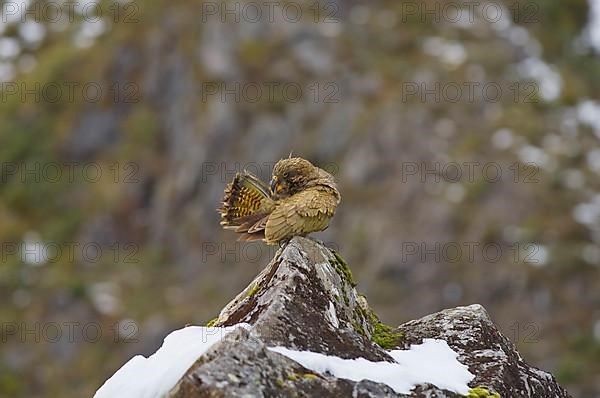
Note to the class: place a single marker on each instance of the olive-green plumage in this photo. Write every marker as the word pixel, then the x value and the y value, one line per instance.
pixel 302 199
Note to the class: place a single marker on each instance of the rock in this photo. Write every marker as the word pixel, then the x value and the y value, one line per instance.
pixel 491 357
pixel 306 300
pixel 95 130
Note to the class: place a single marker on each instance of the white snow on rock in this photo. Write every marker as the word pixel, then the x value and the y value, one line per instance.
pixel 154 376
pixel 431 362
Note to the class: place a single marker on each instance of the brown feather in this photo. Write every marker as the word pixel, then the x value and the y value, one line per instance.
pixel 246 201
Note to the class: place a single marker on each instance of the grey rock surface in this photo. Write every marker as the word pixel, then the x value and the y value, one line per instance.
pixel 305 299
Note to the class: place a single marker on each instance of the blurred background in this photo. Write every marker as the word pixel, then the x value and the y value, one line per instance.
pixel 465 138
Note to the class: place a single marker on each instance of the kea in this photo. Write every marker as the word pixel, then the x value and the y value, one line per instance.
pixel 301 199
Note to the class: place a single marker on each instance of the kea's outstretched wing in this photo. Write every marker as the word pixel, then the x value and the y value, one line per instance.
pixel 245 205
pixel 302 213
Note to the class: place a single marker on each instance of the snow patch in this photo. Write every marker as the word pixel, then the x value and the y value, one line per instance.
pixel 431 362
pixel 591 33
pixel 154 376
pixel 450 52
pixel 588 113
pixel 547 77
pixel 34 251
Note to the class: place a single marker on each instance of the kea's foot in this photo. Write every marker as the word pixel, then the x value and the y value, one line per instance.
pixel 284 242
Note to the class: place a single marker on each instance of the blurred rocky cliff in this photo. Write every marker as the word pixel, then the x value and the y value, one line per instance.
pixel 466 150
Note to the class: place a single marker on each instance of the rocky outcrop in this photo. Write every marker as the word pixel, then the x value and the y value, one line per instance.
pixel 306 300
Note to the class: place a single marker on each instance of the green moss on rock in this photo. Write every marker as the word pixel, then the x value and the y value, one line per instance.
pixel 381 334
pixel 310 376
pixel 342 268
pixel 482 392
pixel 384 336
pixel 253 290
pixel 212 322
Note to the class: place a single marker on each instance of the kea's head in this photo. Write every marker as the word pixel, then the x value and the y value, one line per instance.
pixel 293 175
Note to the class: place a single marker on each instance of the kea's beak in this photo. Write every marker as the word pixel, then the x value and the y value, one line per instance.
pixel 276 187
pixel 273 184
